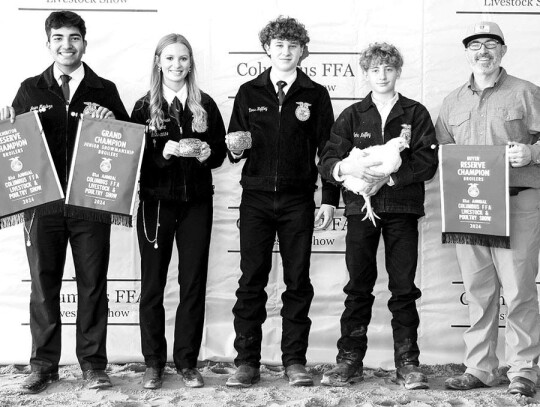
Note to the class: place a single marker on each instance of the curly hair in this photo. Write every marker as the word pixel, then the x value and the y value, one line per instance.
pixel 380 53
pixel 284 28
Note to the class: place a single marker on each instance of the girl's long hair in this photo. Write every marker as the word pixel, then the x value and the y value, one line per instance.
pixel 156 92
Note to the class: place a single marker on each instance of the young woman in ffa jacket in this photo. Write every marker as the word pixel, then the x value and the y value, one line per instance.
pixel 176 201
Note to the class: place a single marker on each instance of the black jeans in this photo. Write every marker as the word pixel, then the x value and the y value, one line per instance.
pixel 262 215
pixel 191 224
pixel 400 236
pixel 90 246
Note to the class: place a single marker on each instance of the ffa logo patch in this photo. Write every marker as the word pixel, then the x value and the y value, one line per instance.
pixel 90 108
pixel 16 164
pixel 473 190
pixel 406 132
pixel 302 111
pixel 105 165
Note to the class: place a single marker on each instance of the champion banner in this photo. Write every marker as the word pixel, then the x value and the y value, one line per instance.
pixel 474 195
pixel 27 172
pixel 104 172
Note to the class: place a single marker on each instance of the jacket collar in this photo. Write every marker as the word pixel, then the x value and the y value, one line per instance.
pixel 46 79
pixel 402 102
pixel 302 79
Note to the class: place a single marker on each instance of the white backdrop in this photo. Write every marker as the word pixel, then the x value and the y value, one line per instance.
pixel 122 35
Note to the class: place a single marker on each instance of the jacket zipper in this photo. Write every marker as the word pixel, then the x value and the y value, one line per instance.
pixel 183 169
pixel 277 146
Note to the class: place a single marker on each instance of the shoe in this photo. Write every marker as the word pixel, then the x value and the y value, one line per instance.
pixel 343 374
pixel 411 377
pixel 37 382
pixel 464 382
pixel 192 377
pixel 522 386
pixel 152 378
pixel 244 376
pixel 97 379
pixel 298 375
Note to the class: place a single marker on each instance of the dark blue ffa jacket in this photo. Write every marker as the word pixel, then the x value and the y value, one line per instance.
pixel 179 178
pixel 360 126
pixel 59 121
pixel 284 144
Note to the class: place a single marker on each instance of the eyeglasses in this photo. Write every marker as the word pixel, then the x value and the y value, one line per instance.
pixel 476 45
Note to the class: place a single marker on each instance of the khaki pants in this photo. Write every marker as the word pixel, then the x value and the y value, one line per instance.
pixel 485 271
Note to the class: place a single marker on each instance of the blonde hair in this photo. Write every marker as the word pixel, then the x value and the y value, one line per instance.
pixel 156 87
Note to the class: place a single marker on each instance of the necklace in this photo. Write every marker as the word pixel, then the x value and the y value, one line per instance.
pixel 144 226
pixel 28 242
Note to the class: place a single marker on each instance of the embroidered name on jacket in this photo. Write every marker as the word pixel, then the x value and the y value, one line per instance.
pixel 258 109
pixel 41 108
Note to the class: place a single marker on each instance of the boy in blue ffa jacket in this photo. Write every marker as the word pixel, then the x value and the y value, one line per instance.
pixel 67 89
pixel 397 198
pixel 289 117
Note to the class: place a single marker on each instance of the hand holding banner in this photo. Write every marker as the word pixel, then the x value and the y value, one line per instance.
pixel 105 169
pixel 475 195
pixel 28 176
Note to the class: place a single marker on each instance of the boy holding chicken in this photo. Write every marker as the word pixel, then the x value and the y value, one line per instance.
pixel 397 199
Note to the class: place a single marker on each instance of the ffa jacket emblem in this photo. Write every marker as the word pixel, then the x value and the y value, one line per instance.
pixel 105 165
pixel 406 132
pixel 90 108
pixel 302 111
pixel 16 164
pixel 473 190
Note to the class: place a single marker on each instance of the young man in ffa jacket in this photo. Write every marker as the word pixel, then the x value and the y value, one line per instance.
pixel 289 117
pixel 65 90
pixel 397 198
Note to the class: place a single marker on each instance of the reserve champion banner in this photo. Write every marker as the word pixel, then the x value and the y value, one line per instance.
pixel 122 36
pixel 27 173
pixel 105 169
pixel 474 195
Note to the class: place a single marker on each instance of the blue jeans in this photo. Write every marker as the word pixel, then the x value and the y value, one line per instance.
pixel 400 236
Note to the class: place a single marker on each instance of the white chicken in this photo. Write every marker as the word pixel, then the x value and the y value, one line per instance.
pixel 388 155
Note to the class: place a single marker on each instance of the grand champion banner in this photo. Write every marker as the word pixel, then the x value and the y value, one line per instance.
pixel 475 195
pixel 105 169
pixel 27 172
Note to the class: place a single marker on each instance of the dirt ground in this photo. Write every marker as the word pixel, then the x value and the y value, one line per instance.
pixel 378 389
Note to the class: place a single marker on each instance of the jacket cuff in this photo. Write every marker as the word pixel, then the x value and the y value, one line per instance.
pixel 330 195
